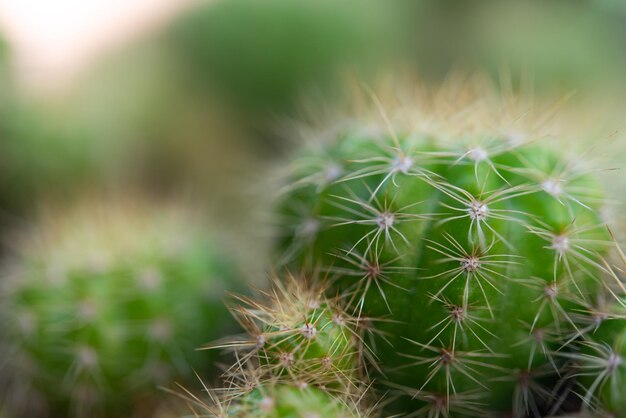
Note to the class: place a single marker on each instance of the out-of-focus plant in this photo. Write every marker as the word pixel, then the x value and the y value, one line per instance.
pixel 104 302
pixel 263 54
pixel 560 45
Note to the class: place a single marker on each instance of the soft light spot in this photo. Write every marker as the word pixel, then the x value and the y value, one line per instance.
pixel 553 187
pixel 149 278
pixel 477 154
pixel 333 172
pixel 87 357
pixel 402 164
pixel 309 228
pixel 560 243
pixel 266 404
pixel 160 330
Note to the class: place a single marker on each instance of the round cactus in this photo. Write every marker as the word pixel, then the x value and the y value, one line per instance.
pixel 103 303
pixel 300 357
pixel 301 335
pixel 478 243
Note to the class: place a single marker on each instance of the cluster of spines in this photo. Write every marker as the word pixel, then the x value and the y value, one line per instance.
pixel 302 354
pixel 357 186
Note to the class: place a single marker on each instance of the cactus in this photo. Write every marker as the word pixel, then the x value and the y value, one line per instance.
pixel 105 302
pixel 598 365
pixel 479 244
pixel 280 400
pixel 301 334
pixel 301 356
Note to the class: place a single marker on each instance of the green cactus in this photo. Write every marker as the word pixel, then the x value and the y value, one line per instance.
pixel 598 365
pixel 288 401
pixel 300 357
pixel 105 302
pixel 601 368
pixel 277 399
pixel 478 245
pixel 299 334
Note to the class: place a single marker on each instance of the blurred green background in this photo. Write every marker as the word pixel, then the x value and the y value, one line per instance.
pixel 196 110
pixel 198 105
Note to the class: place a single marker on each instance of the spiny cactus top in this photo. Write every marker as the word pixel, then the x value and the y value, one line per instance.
pixel 299 357
pixel 105 302
pixel 478 243
pixel 302 334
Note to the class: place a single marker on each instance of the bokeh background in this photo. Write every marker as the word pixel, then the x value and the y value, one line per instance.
pixel 185 94
pixel 193 101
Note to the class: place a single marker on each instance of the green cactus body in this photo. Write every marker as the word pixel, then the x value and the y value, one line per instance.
pixel 106 303
pixel 600 364
pixel 288 401
pixel 476 250
pixel 300 358
pixel 302 336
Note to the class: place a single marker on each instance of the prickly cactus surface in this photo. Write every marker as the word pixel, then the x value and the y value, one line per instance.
pixel 476 250
pixel 299 357
pixel 289 401
pixel 104 303
pixel 299 333
pixel 601 367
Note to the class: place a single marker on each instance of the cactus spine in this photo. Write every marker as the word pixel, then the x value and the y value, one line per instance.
pixel 479 245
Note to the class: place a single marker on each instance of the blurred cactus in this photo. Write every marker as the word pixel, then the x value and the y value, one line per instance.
pixel 105 302
pixel 478 242
pixel 286 401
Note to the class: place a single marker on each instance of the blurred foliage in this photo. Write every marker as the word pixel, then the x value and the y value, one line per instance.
pixel 562 45
pixel 196 106
pixel 105 300
pixel 39 154
pixel 263 53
